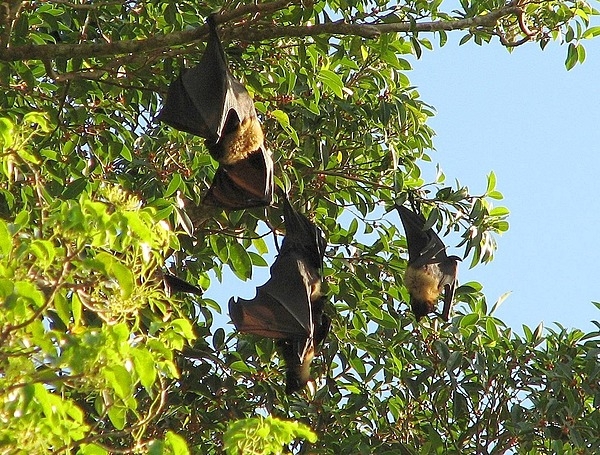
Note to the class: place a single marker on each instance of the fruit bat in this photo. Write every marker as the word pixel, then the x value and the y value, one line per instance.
pixel 289 307
pixel 174 284
pixel 429 269
pixel 209 102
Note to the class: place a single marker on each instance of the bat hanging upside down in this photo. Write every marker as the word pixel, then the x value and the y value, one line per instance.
pixel 289 307
pixel 209 102
pixel 430 271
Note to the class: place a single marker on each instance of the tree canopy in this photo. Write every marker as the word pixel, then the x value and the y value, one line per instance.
pixel 98 200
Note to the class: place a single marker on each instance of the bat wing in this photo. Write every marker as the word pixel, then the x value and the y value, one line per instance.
pixel 174 284
pixel 247 183
pixel 302 235
pixel 322 322
pixel 292 284
pixel 215 92
pixel 264 316
pixel 200 100
pixel 424 246
pixel 449 269
pixel 448 300
pixel 180 112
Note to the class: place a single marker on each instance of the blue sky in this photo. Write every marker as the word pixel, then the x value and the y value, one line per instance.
pixel 537 126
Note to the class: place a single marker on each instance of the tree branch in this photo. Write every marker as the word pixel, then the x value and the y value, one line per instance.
pixel 91 50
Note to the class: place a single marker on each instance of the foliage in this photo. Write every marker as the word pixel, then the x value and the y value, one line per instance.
pixel 263 436
pixel 97 199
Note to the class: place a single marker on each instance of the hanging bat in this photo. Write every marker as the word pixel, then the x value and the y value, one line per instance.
pixel 430 271
pixel 174 284
pixel 209 102
pixel 289 307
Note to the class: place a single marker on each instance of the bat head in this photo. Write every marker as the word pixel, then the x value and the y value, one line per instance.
pixel 298 355
pixel 421 308
pixel 322 326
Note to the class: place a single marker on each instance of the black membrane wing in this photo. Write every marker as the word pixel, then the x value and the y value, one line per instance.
pixel 424 246
pixel 199 101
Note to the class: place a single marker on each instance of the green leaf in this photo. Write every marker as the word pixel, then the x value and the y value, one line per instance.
pixel 145 367
pixel 62 308
pixel 119 379
pixel 121 273
pixel 491 182
pixel 22 219
pixel 5 239
pixel 75 188
pixel 156 447
pixel 184 328
pixel 591 32
pixel 38 118
pixel 572 56
pixel 260 245
pixel 257 259
pixel 240 261
pixel 117 416
pixel 443 37
pixel 6 132
pixel 240 366
pixel 43 251
pixel 332 81
pixel 469 320
pixel 126 153
pixel 465 39
pixel 92 449
pixel 538 333
pixel 30 292
pixel 218 339
pixel 176 444
pixel 491 329
pixel 284 121
pixel 175 183
pixel 125 278
pixel 28 156
pixel 580 53
pixel 416 47
pixel 219 247
pixel 499 211
pixel 453 361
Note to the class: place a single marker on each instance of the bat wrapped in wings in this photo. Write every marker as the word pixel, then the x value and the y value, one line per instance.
pixel 209 102
pixel 289 307
pixel 430 270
